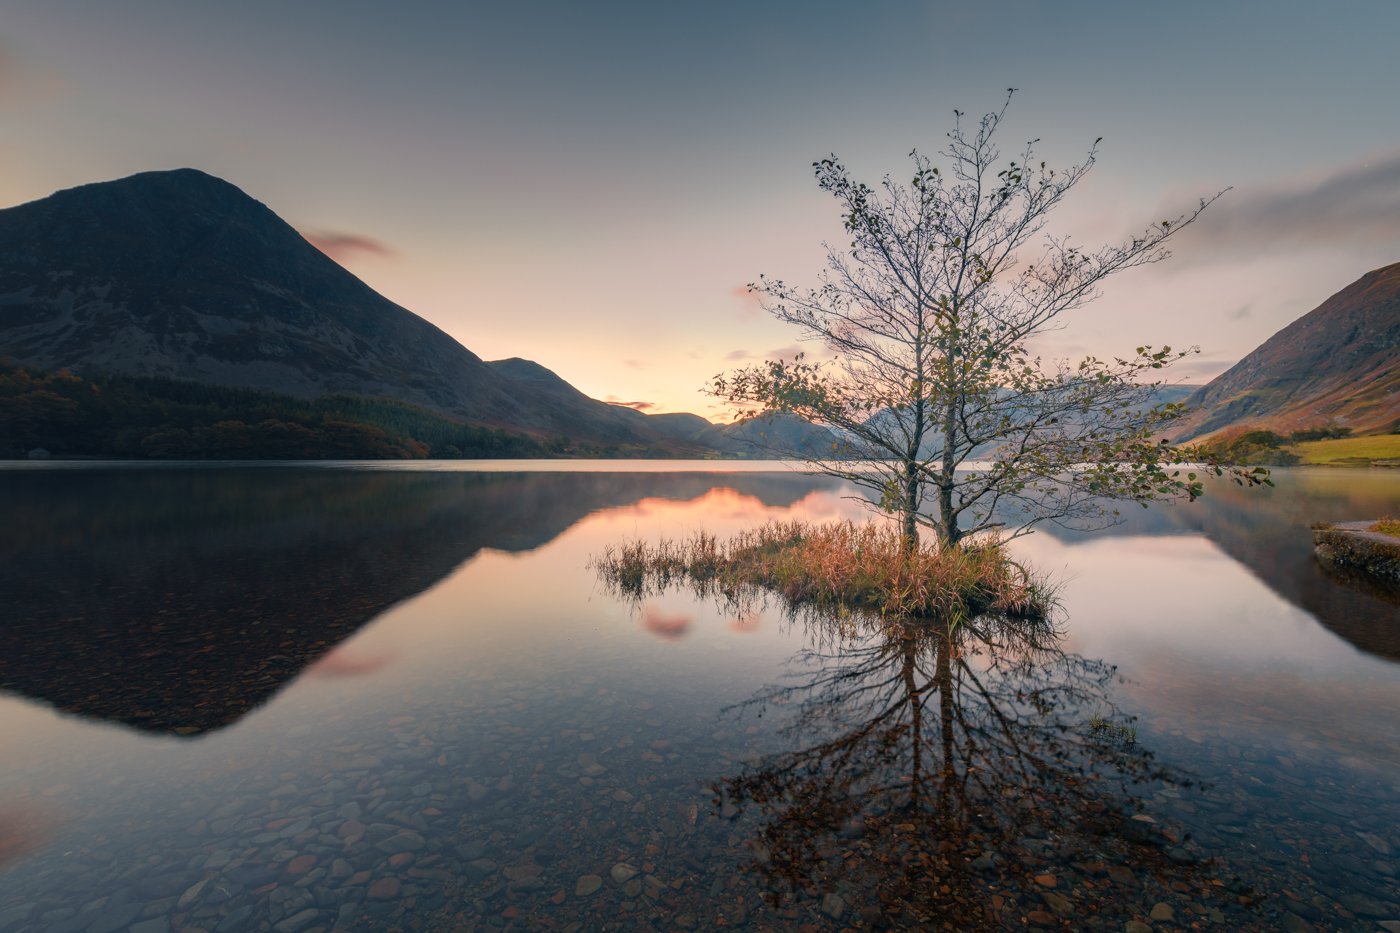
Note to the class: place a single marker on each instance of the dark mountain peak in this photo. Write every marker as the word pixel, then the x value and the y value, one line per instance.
pixel 177 196
pixel 161 182
pixel 181 274
pixel 682 419
pixel 527 371
pixel 162 226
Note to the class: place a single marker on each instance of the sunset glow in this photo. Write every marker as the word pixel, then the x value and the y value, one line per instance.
pixel 593 192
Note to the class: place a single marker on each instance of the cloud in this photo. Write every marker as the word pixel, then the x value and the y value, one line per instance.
pixel 750 305
pixel 811 351
pixel 1195 369
pixel 342 246
pixel 640 406
pixel 1354 206
pixel 634 364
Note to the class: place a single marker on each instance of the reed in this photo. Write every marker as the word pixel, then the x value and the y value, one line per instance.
pixel 841 566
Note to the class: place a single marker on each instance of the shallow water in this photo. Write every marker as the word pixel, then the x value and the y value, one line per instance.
pixel 361 698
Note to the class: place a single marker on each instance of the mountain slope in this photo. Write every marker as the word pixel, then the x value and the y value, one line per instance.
pixel 573 413
pixel 1338 364
pixel 181 274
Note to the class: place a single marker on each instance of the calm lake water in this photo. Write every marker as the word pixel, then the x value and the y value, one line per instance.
pixel 370 697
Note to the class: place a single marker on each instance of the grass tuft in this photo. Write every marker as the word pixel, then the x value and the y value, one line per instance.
pixel 1388 526
pixel 840 566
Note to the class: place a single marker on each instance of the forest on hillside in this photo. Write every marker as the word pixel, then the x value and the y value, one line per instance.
pixel 150 417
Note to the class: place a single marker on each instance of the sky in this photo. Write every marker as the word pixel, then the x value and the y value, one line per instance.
pixel 592 185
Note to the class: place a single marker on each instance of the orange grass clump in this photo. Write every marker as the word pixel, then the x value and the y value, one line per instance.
pixel 838 566
pixel 1388 526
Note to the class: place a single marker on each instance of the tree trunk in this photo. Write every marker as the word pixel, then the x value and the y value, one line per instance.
pixel 948 533
pixel 909 513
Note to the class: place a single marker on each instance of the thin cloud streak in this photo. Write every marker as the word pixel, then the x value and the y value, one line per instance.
pixel 342 246
pixel 639 406
pixel 1356 206
pixel 1195 371
pixel 812 351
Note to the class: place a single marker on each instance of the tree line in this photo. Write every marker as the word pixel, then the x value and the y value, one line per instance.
pixel 156 417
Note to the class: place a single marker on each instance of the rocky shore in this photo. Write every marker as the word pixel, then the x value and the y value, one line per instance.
pixel 1358 547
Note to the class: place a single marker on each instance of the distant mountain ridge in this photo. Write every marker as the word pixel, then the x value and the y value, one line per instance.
pixel 1337 365
pixel 182 275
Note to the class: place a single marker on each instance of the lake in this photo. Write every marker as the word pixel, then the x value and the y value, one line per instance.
pixel 396 697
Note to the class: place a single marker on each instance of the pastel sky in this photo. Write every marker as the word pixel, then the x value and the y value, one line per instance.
pixel 590 185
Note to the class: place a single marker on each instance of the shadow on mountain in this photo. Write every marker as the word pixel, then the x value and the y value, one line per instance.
pixel 1268 531
pixel 177 601
pixel 960 780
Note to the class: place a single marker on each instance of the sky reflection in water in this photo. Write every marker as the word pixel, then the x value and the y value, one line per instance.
pixel 399 698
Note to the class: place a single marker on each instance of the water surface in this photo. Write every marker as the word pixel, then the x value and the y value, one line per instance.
pixel 357 697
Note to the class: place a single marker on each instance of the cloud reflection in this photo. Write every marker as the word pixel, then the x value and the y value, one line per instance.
pixel 347 663
pixel 745 624
pixel 23 829
pixel 666 626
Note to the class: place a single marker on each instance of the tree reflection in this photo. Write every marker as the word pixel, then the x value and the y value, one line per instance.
pixel 934 771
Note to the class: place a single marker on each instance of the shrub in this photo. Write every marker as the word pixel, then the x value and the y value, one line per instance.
pixel 1319 434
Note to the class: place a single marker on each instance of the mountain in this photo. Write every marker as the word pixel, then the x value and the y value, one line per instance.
pixel 179 274
pixel 772 434
pixel 1339 364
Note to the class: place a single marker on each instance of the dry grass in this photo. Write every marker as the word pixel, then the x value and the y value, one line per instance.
pixel 1388 526
pixel 841 566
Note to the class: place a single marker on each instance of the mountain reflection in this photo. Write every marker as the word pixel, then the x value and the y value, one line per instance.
pixel 176 601
pixel 1268 531
pixel 934 778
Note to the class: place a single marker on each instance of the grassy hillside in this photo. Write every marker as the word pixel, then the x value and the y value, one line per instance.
pixel 1377 449
pixel 1327 446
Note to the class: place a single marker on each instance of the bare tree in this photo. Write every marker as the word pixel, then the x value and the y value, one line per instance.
pixel 948 417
